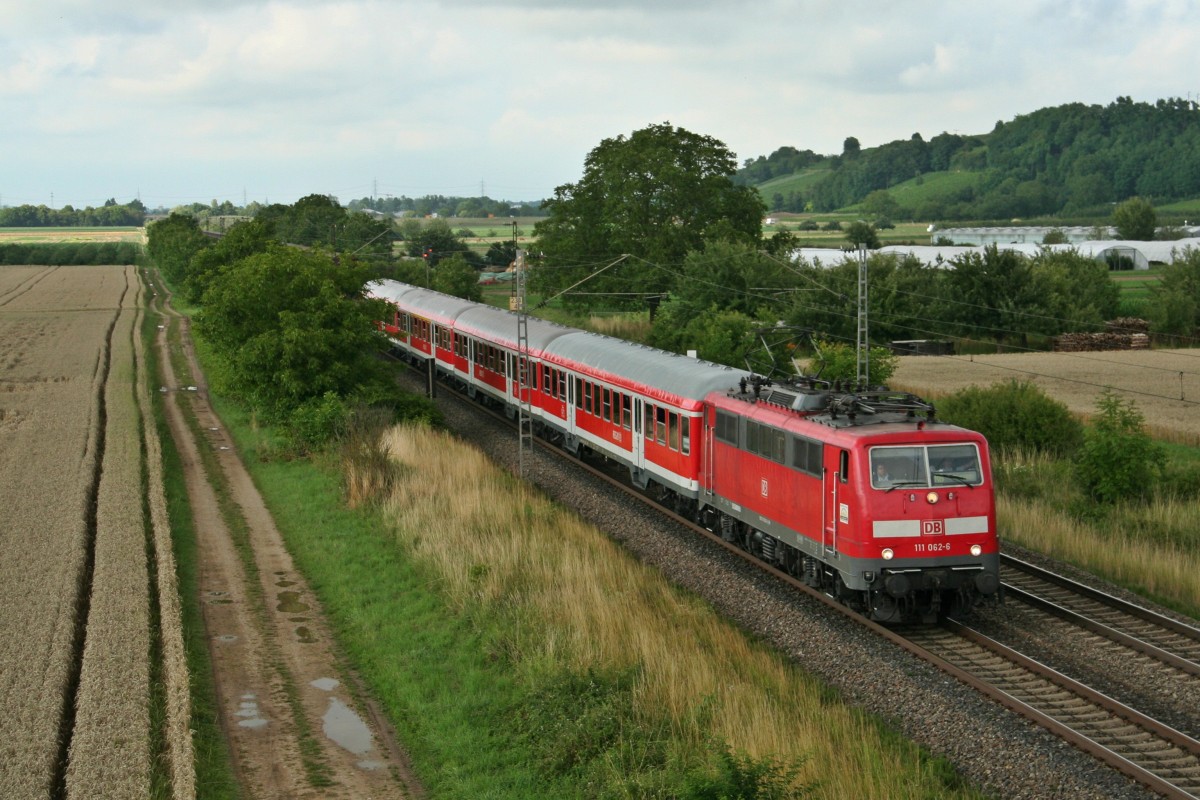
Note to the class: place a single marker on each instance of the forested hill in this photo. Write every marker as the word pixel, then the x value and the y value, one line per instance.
pixel 1074 159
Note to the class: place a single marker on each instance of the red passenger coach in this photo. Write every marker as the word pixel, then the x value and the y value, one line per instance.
pixel 864 495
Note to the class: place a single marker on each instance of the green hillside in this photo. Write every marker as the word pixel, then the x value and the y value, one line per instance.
pixel 801 182
pixel 935 187
pixel 1075 160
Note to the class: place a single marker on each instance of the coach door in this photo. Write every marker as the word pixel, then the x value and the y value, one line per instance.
pixel 837 465
pixel 639 451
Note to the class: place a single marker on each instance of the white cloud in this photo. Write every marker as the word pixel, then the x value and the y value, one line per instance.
pixel 271 93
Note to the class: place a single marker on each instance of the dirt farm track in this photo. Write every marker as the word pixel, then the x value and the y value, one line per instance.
pixel 1164 384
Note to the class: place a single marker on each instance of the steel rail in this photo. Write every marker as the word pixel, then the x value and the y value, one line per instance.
pixel 1173 625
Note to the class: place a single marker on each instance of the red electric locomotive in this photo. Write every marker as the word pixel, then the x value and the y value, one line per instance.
pixel 863 495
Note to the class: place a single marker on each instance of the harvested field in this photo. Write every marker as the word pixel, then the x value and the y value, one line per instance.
pixel 74 574
pixel 57 235
pixel 1165 384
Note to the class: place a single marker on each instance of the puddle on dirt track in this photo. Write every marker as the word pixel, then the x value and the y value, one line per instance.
pixel 289 603
pixel 248 711
pixel 345 728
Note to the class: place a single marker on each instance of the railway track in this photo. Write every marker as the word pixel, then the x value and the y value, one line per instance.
pixel 1162 638
pixel 1157 756
pixel 1152 753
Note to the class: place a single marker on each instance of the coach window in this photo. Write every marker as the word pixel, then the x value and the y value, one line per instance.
pixel 673 431
pixel 626 411
pixel 660 425
pixel 421 329
pixel 685 431
pixel 579 392
pixel 607 404
pixel 587 396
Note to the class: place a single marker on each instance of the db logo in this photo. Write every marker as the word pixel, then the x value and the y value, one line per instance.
pixel 764 487
pixel 933 527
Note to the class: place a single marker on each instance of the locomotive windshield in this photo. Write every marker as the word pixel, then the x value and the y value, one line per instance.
pixel 923 466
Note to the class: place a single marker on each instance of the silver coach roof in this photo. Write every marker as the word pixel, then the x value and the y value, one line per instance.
pixel 500 326
pixel 664 374
pixel 669 373
pixel 472 318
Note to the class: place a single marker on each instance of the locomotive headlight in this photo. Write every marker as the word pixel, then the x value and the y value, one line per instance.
pixel 932 497
pixel 976 550
pixel 887 554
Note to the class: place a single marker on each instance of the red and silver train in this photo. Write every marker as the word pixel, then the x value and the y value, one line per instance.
pixel 863 495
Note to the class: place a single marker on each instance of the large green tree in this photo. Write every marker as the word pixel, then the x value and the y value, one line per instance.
pixel 1175 307
pixel 291 325
pixel 434 241
pixel 242 240
pixel 455 276
pixel 1135 219
pixel 654 195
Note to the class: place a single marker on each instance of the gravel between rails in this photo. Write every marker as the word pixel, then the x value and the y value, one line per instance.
pixel 993 748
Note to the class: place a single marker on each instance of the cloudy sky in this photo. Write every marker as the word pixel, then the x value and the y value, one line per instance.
pixel 192 101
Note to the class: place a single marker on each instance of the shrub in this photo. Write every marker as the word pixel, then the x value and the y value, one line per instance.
pixel 837 361
pixel 738 775
pixel 1015 414
pixel 317 421
pixel 1118 460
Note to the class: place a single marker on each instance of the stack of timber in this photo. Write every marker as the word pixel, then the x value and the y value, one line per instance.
pixel 1124 333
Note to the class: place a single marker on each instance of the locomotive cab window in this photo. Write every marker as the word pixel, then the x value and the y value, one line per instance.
pixel 925 466
pixel 954 464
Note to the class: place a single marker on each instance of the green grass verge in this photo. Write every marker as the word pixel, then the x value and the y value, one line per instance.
pixel 452 702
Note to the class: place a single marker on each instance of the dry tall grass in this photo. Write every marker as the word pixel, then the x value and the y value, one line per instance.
pixel 1152 548
pixel 577 600
pixel 1162 569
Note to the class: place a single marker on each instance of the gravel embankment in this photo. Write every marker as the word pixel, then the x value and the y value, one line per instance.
pixel 995 749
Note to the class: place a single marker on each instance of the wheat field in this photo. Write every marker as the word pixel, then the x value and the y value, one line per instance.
pixel 75 572
pixel 1165 384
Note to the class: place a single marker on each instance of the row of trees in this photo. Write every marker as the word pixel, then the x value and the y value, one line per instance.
pixel 444 206
pixel 292 331
pixel 110 214
pixel 71 253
